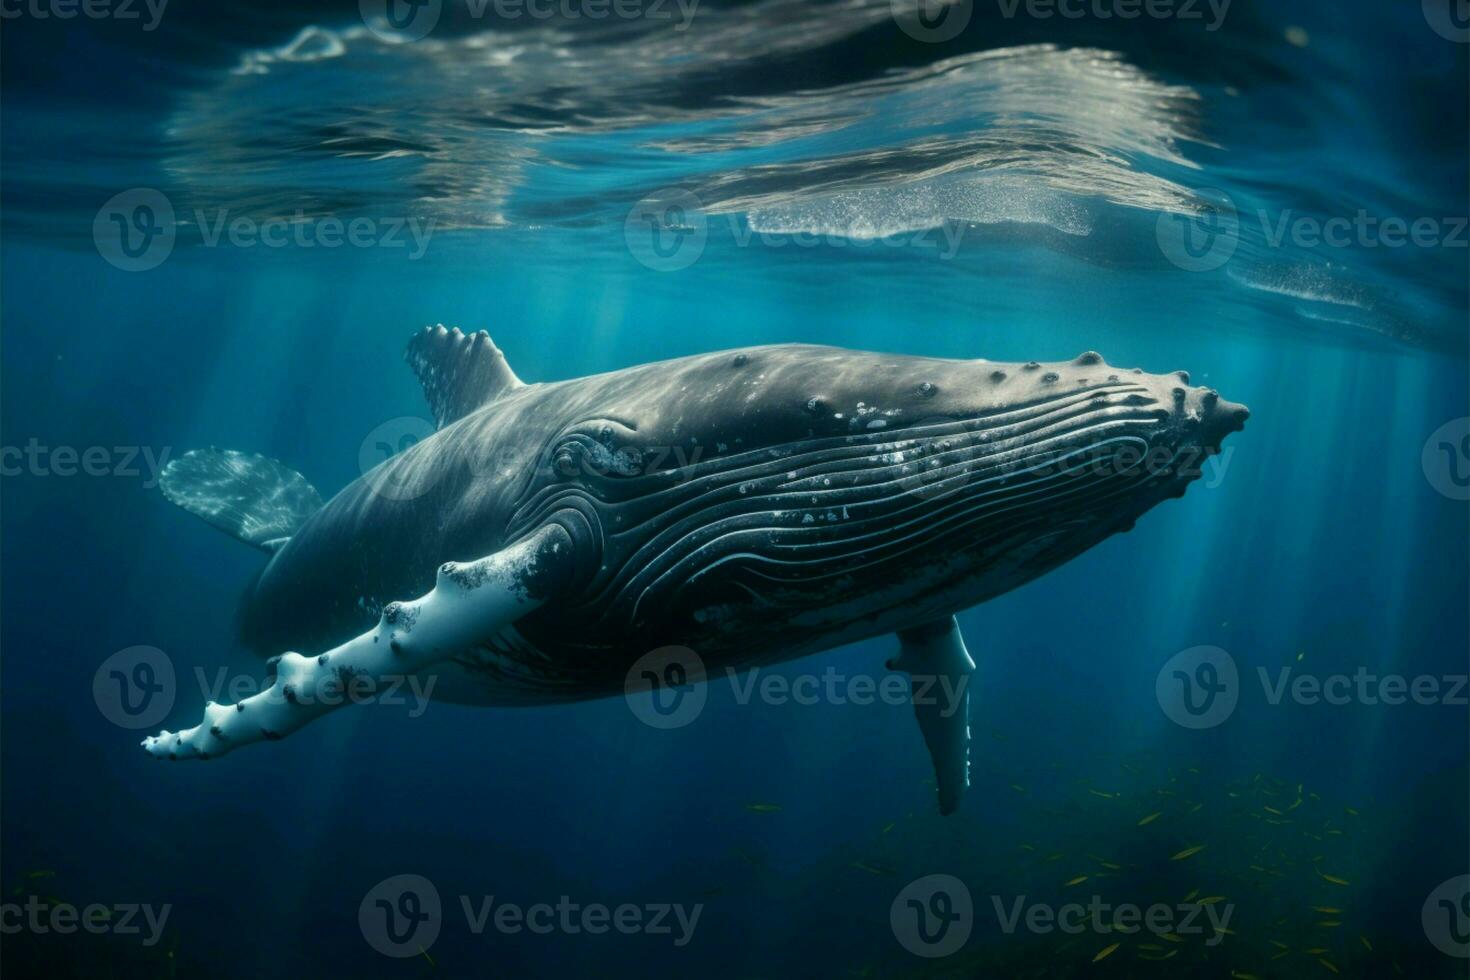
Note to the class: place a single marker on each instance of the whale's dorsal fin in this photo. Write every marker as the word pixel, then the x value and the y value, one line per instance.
pixel 460 372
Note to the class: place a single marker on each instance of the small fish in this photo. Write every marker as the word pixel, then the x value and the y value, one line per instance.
pixel 1300 656
pixel 1018 788
pixel 1241 975
pixel 1315 951
pixel 1075 881
pixel 1167 956
pixel 1328 964
pixel 1106 951
pixel 762 807
pixel 887 827
pixel 1213 899
pixel 1366 945
pixel 1111 866
pixel 1191 895
pixel 1196 808
pixel 1150 818
pixel 422 952
pixel 1326 910
pixel 1106 796
pixel 1272 809
pixel 874 869
pixel 1350 811
pixel 1334 879
pixel 1278 945
pixel 34 875
pixel 1028 847
pixel 1331 924
pixel 1191 852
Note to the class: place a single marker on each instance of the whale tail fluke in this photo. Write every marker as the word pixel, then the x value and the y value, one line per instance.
pixel 254 498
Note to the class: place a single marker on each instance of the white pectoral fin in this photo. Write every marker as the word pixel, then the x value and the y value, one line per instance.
pixel 468 603
pixel 939 669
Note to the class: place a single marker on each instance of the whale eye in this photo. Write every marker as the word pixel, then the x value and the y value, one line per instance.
pixel 741 360
pixel 927 390
pixel 816 406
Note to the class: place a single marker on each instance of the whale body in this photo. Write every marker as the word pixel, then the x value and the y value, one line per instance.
pixel 751 506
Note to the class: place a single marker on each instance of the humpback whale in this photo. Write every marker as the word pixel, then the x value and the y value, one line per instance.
pixel 752 506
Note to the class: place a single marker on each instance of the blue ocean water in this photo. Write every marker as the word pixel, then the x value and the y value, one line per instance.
pixel 1271 198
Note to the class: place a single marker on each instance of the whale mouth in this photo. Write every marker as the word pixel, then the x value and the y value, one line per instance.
pixel 1223 418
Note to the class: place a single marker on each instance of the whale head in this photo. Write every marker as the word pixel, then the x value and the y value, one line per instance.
pixel 775 495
